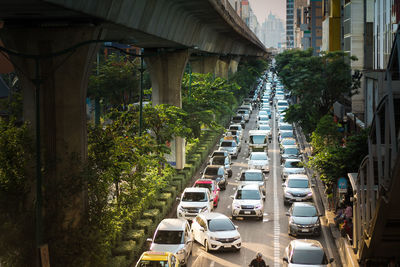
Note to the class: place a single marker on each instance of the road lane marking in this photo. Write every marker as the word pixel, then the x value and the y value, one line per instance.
pixel 277 228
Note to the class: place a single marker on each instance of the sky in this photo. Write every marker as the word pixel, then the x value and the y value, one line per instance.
pixel 262 8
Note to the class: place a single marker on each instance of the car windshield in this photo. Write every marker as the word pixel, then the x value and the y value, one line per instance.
pixel 237 118
pixel 194 197
pixel 248 194
pixel 169 237
pixel 215 225
pixel 308 257
pixel 218 161
pixel 304 211
pixel 146 263
pixel 286 127
pixel 263 118
pixel 204 185
pixel 286 134
pixel 227 144
pixel 211 171
pixel 264 127
pixel 291 150
pixel 252 176
pixel 236 128
pixel 241 112
pixel 257 139
pixel 261 156
pixel 298 183
pixel 293 164
pixel 264 113
pixel 288 141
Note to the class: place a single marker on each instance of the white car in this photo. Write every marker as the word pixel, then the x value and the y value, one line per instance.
pixel 259 160
pixel 231 147
pixel 252 176
pixel 215 231
pixel 175 236
pixel 297 188
pixel 292 166
pixel 193 201
pixel 248 201
pixel 305 252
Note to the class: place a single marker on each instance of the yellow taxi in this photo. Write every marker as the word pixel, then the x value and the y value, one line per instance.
pixel 157 259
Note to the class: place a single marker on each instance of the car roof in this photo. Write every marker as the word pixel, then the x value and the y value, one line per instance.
pixel 172 224
pixel 196 189
pixel 292 160
pixel 219 157
pixel 303 204
pixel 155 256
pixel 253 170
pixel 297 176
pixel 234 124
pixel 290 146
pixel 258 132
pixel 258 153
pixel 204 181
pixel 249 187
pixel 213 215
pixel 306 244
pixel 214 166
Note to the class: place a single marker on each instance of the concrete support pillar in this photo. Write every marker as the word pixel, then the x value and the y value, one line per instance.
pixel 222 68
pixel 62 103
pixel 233 65
pixel 206 64
pixel 166 72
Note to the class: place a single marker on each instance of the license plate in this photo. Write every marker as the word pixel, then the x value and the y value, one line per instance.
pixel 247 212
pixel 299 199
pixel 305 230
pixel 227 246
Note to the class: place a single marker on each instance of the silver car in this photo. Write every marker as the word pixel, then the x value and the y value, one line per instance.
pixel 292 166
pixel 175 236
pixel 304 219
pixel 253 176
pixel 259 160
pixel 297 188
pixel 303 252
pixel 248 202
pixel 231 147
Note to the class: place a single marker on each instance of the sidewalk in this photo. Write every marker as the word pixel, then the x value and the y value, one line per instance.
pixel 344 248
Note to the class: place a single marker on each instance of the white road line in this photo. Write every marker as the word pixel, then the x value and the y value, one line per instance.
pixel 277 228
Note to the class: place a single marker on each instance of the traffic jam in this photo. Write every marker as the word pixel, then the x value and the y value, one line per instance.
pixel 200 221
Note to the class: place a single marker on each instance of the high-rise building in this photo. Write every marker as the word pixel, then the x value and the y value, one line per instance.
pixel 289 24
pixel 301 31
pixel 315 24
pixel 272 31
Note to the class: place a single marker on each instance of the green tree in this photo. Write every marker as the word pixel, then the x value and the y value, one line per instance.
pixel 316 82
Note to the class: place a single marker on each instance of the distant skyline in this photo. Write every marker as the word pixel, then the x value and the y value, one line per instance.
pixel 262 8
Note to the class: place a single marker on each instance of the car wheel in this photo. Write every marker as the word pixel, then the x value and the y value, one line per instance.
pixel 237 249
pixel 206 246
pixel 234 217
pixel 216 204
pixel 230 173
pixel 260 218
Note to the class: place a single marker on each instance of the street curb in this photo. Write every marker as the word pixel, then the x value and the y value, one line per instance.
pixel 344 249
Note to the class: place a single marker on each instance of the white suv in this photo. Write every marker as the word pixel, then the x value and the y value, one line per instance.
pixel 248 202
pixel 193 201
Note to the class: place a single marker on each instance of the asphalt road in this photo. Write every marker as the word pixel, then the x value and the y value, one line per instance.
pixel 269 236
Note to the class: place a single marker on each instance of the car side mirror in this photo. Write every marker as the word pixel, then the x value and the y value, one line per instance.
pixel 201 229
pixel 313 185
pixel 283 185
pixel 287 213
pixel 208 163
pixel 232 196
pixel 201 173
pixel 150 240
pixel 331 260
pixel 178 199
pixel 285 259
pixel 211 199
pixel 237 227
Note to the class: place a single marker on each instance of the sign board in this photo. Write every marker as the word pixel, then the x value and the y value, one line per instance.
pixel 171 157
pixel 44 255
pixel 342 185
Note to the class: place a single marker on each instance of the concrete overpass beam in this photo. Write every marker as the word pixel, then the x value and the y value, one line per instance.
pixel 62 103
pixel 166 72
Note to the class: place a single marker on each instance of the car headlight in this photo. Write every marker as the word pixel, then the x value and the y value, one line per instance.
pixel 182 251
pixel 309 194
pixel 213 238
pixel 181 209
pixel 204 209
pixel 236 237
pixel 236 206
pixel 258 206
pixel 288 194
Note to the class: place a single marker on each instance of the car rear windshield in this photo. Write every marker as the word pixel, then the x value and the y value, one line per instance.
pixel 293 164
pixel 298 183
pixel 211 171
pixel 309 257
pixel 286 127
pixel 236 128
pixel 264 127
pixel 257 139
pixel 237 118
pixel 155 263
pixel 248 194
pixel 286 134
pixel 288 141
pixel 263 118
pixel 194 197
pixel 215 225
pixel 169 237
